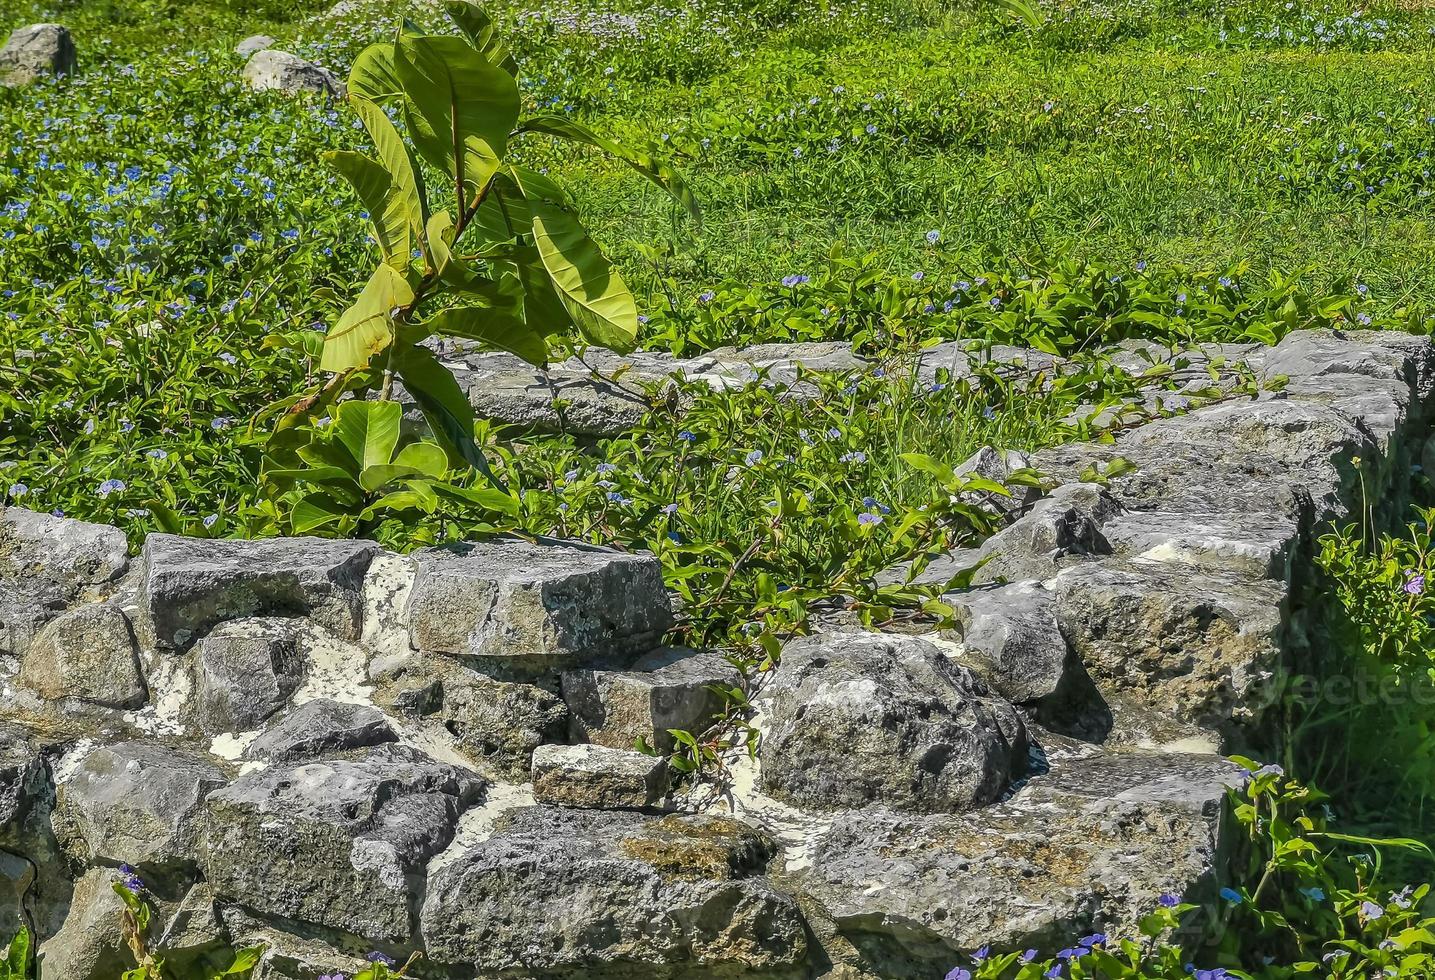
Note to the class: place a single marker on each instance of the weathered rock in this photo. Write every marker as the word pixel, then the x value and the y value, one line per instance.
pixel 89 946
pixel 1258 544
pixel 338 843
pixel 1011 631
pixel 75 556
pixel 667 689
pixel 322 726
pixel 857 718
pixel 245 671
pixel 1198 647
pixel 501 722
pixel 88 654
pixel 17 877
pixel 194 933
pixel 598 778
pixel 36 52
pixel 135 803
pixel 280 71
pixel 572 893
pixel 192 584
pixel 1065 523
pixel 1087 848
pixel 25 607
pixel 992 464
pixel 519 599
pixel 27 797
pixel 253 44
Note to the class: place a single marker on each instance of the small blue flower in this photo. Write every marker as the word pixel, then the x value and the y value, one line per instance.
pixel 109 487
pixel 981 954
pixel 1232 896
pixel 754 457
pixel 1314 894
pixel 18 489
pixel 869 520
pixel 377 957
pixel 1168 901
pixel 707 296
pixel 958 973
pixel 1371 911
pixel 793 281
pixel 687 436
pixel 933 237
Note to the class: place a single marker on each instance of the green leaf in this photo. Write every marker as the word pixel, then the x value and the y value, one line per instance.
pixel 316 511
pixel 388 212
pixel 464 107
pixel 369 430
pixel 493 327
pixel 479 28
pixel 656 170
pixel 589 286
pixel 366 327
pixel 445 406
pixel 488 498
pixel 406 181
pixel 373 76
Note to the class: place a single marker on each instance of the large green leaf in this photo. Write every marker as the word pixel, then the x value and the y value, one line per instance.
pixel 366 327
pixel 587 283
pixel 388 212
pixel 500 328
pixel 543 309
pixel 373 76
pixel 478 27
pixel 501 217
pixel 445 406
pixel 659 171
pixel 369 430
pixel 407 181
pixel 464 107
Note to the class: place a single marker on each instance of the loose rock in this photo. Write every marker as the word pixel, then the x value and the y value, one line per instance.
pixel 281 71
pixel 246 671
pixel 36 52
pixel 598 778
pixel 322 726
pixel 666 690
pixel 87 654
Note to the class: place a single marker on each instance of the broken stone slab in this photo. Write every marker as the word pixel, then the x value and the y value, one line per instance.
pixel 1260 545
pixel 1199 647
pixel 280 71
pixel 1089 847
pixel 135 803
pixel 670 688
pixel 87 654
pixel 595 777
pixel 1012 633
pixel 500 723
pixel 193 584
pixel 37 52
pixel 319 727
pixel 853 719
pixel 1063 525
pixel 339 843
pixel 515 598
pixel 76 557
pixel 245 671
pixel 562 892
pixel 253 44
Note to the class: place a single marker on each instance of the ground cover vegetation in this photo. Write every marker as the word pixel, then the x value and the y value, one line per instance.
pixel 174 252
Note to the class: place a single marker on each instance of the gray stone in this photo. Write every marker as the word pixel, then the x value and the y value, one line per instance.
pixel 857 718
pixel 88 654
pixel 598 778
pixel 17 877
pixel 1012 633
pixel 36 52
pixel 194 932
pixel 1256 544
pixel 1065 523
pixel 500 723
pixel 89 946
pixel 245 671
pixel 322 726
pixel 135 803
pixel 27 797
pixel 514 598
pixel 25 607
pixel 1089 847
pixel 192 584
pixel 997 466
pixel 573 893
pixel 1199 647
pixel 280 71
pixel 74 556
pixel 253 44
pixel 338 843
pixel 667 689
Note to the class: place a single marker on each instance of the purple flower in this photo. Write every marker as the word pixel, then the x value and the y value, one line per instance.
pixel 933 237
pixel 793 281
pixel 869 520
pixel 1093 940
pixel 959 974
pixel 687 436
pixel 1414 583
pixel 130 879
pixel 1169 901
pixel 109 487
pixel 754 457
pixel 377 957
pixel 1054 973
pixel 1219 973
pixel 706 296
pixel 1370 910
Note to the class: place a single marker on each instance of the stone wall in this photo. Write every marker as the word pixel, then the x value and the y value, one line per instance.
pixel 332 749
